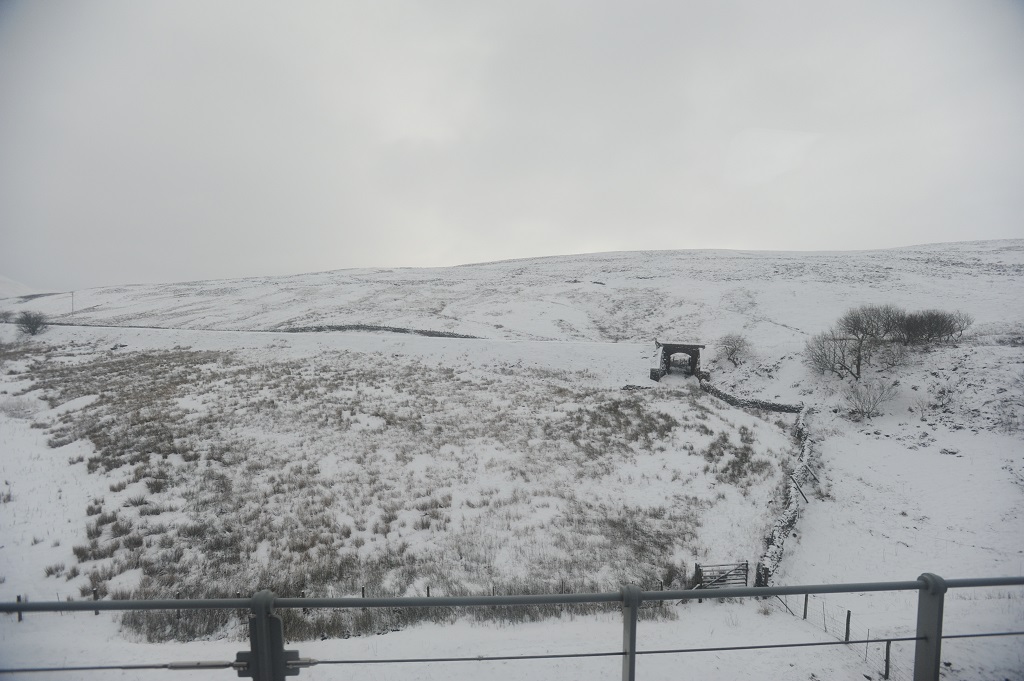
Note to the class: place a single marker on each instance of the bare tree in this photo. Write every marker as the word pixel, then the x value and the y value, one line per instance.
pixel 32 323
pixel 863 328
pixel 865 399
pixel 883 331
pixel 930 326
pixel 961 322
pixel 892 355
pixel 735 347
pixel 826 352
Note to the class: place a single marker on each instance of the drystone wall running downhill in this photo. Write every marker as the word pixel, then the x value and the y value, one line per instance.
pixel 374 327
pixel 773 543
pixel 746 403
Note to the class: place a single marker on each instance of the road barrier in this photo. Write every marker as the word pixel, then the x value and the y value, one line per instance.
pixel 267 660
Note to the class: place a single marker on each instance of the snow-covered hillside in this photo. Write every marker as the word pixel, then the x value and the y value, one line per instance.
pixel 10 288
pixel 604 297
pixel 178 438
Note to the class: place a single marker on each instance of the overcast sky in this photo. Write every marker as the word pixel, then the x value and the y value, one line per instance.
pixel 166 141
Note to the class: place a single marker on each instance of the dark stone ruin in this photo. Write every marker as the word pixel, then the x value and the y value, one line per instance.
pixel 663 358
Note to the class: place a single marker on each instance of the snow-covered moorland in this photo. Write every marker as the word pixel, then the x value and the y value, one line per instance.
pixel 178 438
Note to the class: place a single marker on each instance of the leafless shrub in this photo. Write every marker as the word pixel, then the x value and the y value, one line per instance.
pixel 892 355
pixel 1010 409
pixel 17 407
pixel 961 322
pixel 734 347
pixel 32 323
pixel 930 326
pixel 830 352
pixel 864 400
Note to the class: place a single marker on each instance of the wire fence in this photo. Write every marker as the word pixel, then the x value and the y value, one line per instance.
pixel 878 653
pixel 267 660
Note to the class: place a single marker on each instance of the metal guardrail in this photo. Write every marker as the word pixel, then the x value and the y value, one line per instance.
pixel 267 659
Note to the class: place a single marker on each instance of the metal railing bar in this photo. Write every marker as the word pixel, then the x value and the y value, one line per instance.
pixel 994 633
pixel 752 591
pixel 768 646
pixel 218 664
pixel 483 601
pixel 447 601
pixel 984 581
pixel 161 604
pixel 480 658
pixel 486 658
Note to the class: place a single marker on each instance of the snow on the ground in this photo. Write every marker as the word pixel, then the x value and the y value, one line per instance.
pixel 776 297
pixel 10 288
pixel 709 624
pixel 934 484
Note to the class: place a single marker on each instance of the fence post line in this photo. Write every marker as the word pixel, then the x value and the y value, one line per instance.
pixel 927 652
pixel 806 597
pixel 630 612
pixel 888 648
pixel 19 612
pixel 847 639
pixel 95 597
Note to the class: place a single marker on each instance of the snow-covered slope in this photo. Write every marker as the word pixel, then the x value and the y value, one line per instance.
pixel 603 297
pixel 10 288
pixel 227 447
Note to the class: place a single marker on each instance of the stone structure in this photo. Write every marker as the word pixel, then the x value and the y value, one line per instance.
pixel 663 358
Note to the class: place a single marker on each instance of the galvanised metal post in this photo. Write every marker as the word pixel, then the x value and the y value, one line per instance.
pixel 927 653
pixel 630 612
pixel 266 658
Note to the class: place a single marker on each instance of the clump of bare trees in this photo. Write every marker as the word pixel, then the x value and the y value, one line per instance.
pixel 882 331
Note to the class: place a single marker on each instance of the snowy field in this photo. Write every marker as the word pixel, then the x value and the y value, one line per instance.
pixel 167 438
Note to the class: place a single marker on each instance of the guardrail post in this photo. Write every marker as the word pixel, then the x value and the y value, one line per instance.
pixel 927 652
pixel 266 658
pixel 630 612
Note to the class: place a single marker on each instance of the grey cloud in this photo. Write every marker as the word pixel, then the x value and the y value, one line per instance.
pixel 168 141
